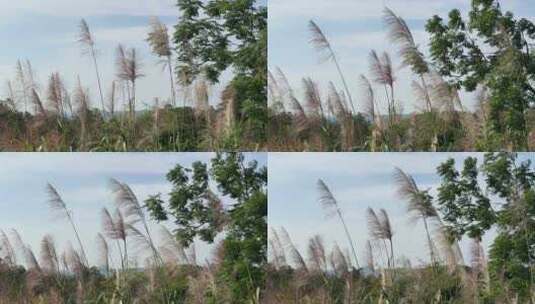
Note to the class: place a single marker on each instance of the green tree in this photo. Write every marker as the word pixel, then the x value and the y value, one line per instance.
pixel 500 193
pixel 197 211
pixel 490 49
pixel 213 36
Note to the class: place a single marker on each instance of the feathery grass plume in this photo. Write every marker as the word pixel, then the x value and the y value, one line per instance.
pixel 129 67
pixel 337 105
pixel 27 254
pixel 64 263
pixel 421 94
pixel 24 86
pixel 369 256
pixel 275 98
pixel 81 99
pixel 158 39
pixel 115 229
pixel 338 261
pixel 338 108
pixel 449 249
pixel 87 41
pixel 381 69
pixel 399 33
pixel 316 254
pixel 480 273
pixel 313 98
pixel 57 205
pixel 323 46
pixel 419 201
pixel 382 73
pixel 330 205
pixel 372 110
pixel 380 229
pixel 301 119
pixel 8 252
pixel 121 66
pixel 388 233
pixel 11 98
pixel 369 98
pixel 277 249
pixel 74 261
pixel 31 260
pixel 296 257
pixel 284 85
pixel 104 253
pixel 141 242
pixel 126 201
pixel 202 105
pixel 419 205
pixel 228 97
pixel 49 257
pixel 202 96
pixel 129 205
pixel 112 98
pixel 171 249
pixel 375 226
pixel 55 95
pixel 38 105
pixel 444 95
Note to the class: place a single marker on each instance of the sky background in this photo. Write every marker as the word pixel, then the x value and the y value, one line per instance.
pixel 354 27
pixel 358 181
pixel 82 179
pixel 45 32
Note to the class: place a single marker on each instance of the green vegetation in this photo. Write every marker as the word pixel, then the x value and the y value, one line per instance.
pixel 227 201
pixel 496 194
pixel 210 38
pixel 490 53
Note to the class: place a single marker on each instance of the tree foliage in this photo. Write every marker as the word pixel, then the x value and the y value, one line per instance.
pixel 197 212
pixel 500 193
pixel 213 36
pixel 491 49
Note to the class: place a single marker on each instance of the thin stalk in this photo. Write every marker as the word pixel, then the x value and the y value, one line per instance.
pixel 348 237
pixel 431 251
pixel 392 253
pixel 98 79
pixel 125 253
pixel 344 83
pixel 84 256
pixel 173 94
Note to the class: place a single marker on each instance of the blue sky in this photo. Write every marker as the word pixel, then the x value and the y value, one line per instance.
pixel 44 32
pixel 358 181
pixel 354 27
pixel 82 180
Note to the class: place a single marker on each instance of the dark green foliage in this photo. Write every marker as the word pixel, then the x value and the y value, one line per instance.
pixel 463 205
pixel 507 201
pixel 245 249
pixel 213 36
pixel 459 50
pixel 197 212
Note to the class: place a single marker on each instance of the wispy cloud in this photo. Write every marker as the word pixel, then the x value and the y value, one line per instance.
pixel 87 8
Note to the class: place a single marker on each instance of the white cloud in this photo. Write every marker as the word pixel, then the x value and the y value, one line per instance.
pixel 353 10
pixel 87 8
